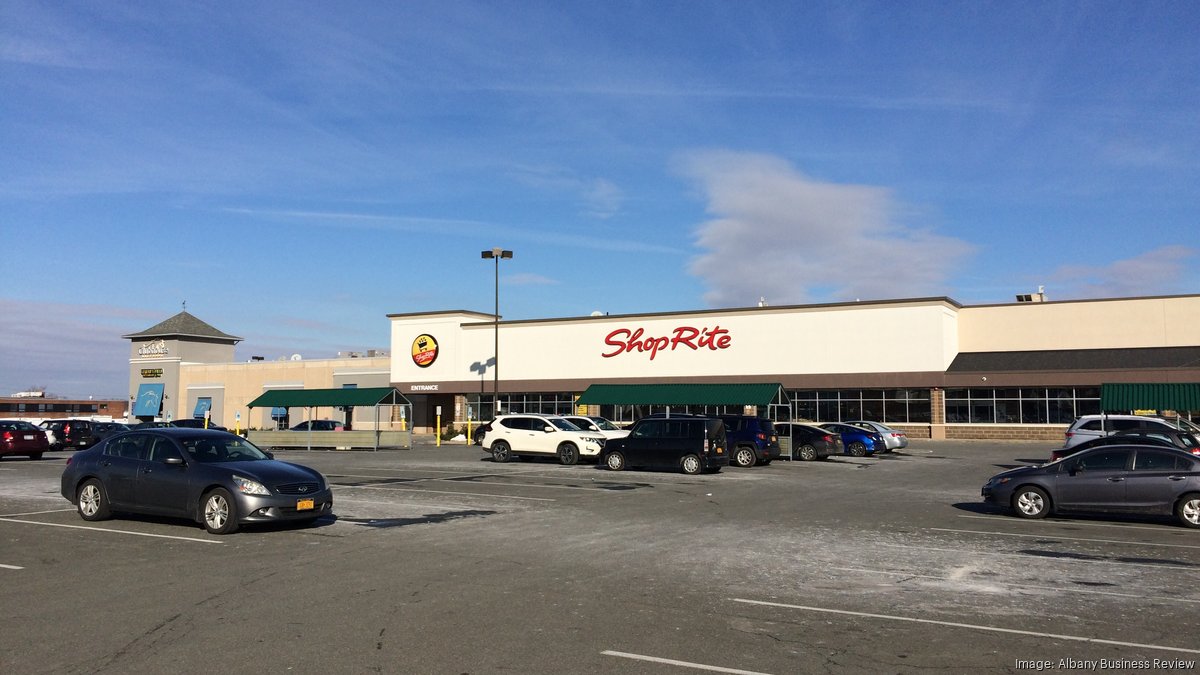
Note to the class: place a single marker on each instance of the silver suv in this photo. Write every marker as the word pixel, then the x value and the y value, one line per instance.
pixel 540 435
pixel 1095 426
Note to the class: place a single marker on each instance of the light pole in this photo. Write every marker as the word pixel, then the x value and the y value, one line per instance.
pixel 496 254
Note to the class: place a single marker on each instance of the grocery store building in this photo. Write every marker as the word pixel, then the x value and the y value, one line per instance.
pixel 931 366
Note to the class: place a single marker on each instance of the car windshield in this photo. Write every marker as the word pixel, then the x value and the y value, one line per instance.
pixel 604 424
pixel 1188 425
pixel 563 424
pixel 18 425
pixel 210 450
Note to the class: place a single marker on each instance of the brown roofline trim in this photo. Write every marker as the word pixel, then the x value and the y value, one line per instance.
pixel 1086 300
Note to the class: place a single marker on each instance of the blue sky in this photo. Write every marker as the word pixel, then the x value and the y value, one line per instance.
pixel 295 171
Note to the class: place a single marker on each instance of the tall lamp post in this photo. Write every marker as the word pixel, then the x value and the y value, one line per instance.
pixel 496 254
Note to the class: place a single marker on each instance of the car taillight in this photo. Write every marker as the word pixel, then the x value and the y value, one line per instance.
pixel 706 442
pixel 66 429
pixel 761 436
pixel 8 436
pixel 829 439
pixel 1195 451
pixel 69 460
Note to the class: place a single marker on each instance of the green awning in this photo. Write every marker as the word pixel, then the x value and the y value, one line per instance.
pixel 680 394
pixel 302 398
pixel 1178 396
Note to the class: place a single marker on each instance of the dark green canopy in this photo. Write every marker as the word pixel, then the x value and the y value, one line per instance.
pixel 300 398
pixel 1150 396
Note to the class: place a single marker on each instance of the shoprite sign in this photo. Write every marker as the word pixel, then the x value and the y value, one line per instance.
pixel 623 340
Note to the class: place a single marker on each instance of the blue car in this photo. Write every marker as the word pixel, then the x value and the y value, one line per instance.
pixel 857 441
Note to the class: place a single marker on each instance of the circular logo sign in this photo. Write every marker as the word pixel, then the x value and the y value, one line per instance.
pixel 424 350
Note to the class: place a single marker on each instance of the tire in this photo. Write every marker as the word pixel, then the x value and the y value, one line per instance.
pixel 219 512
pixel 615 461
pixel 744 457
pixel 501 453
pixel 807 453
pixel 568 454
pixel 857 449
pixel 35 456
pixel 1188 510
pixel 92 502
pixel 1031 502
pixel 690 464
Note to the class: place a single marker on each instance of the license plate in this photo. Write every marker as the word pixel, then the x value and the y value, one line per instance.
pixel 304 504
pixel 29 437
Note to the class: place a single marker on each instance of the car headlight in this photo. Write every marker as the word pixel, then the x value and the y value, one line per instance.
pixel 250 487
pixel 999 481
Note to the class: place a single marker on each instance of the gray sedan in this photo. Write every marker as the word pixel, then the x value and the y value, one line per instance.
pixel 212 477
pixel 1109 479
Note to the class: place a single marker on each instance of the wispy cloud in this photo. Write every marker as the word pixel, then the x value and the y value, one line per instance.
pixel 600 197
pixel 780 235
pixel 1161 271
pixel 528 279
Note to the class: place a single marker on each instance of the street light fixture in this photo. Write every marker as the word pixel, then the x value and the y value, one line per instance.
pixel 496 254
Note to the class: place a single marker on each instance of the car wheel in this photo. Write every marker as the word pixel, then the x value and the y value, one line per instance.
pixel 92 503
pixel 807 453
pixel 744 457
pixel 501 452
pixel 220 512
pixel 1188 510
pixel 568 454
pixel 690 465
pixel 615 461
pixel 857 449
pixel 1031 502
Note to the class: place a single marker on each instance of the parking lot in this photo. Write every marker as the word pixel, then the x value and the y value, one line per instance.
pixel 441 561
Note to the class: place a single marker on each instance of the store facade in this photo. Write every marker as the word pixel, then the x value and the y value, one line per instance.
pixel 931 366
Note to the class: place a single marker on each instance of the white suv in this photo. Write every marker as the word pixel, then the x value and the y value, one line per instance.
pixel 545 435
pixel 1094 426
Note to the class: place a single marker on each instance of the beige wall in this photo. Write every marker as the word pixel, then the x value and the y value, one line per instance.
pixel 1098 324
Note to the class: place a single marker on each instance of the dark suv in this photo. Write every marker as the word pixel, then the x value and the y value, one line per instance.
pixel 73 434
pixel 690 443
pixel 752 440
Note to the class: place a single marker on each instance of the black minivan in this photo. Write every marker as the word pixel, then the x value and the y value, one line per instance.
pixel 692 444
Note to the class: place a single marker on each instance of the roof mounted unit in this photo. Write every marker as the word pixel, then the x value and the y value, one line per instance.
pixel 1040 296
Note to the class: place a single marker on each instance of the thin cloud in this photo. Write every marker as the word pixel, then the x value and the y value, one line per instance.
pixel 526 279
pixel 1161 271
pixel 780 235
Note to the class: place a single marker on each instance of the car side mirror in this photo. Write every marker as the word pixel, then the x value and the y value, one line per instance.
pixel 548 429
pixel 173 461
pixel 270 455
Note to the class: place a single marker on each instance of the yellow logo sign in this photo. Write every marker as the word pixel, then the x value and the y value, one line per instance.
pixel 424 350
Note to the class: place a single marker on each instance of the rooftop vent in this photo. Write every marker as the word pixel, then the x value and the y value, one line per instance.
pixel 1040 296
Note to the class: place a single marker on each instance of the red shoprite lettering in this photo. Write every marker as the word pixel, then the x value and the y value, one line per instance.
pixel 625 341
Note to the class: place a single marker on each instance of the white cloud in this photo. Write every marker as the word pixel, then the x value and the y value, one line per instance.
pixel 1156 272
pixel 527 279
pixel 783 236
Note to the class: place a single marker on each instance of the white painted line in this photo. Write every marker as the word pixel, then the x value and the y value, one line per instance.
pixel 36 513
pixel 683 664
pixel 398 488
pixel 989 582
pixel 11 567
pixel 1055 536
pixel 994 629
pixel 1073 523
pixel 101 529
pixel 1027 557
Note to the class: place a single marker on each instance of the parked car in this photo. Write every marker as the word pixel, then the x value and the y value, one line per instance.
pixel 1110 479
pixel 539 435
pixel 196 423
pixel 752 440
pixel 1139 436
pixel 319 425
pixel 18 437
pixel 689 443
pixel 213 477
pixel 48 427
pixel 1088 427
pixel 73 433
pixel 162 424
pixel 809 442
pixel 893 439
pixel 856 441
pixel 597 425
pixel 105 429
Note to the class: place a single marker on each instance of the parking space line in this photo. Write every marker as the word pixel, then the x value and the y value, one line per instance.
pixel 1022 555
pixel 683 664
pixel 101 529
pixel 1073 523
pixel 10 567
pixel 35 513
pixel 397 488
pixel 913 575
pixel 1055 536
pixel 970 626
pixel 454 478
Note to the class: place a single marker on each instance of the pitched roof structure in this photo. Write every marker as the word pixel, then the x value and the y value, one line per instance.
pixel 182 325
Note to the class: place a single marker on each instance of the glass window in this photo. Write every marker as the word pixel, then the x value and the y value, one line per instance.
pixel 1154 460
pixel 1033 411
pixel 1106 460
